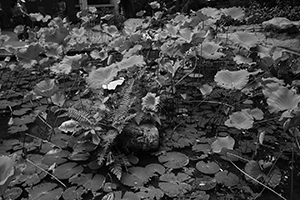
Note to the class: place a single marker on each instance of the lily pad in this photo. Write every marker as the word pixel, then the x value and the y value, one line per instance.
pixel 227 178
pixel 174 160
pixel 136 176
pixel 204 183
pixel 174 185
pixel 208 168
pixel 67 170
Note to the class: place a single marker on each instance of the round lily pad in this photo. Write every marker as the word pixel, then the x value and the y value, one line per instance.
pixel 174 160
pixel 207 168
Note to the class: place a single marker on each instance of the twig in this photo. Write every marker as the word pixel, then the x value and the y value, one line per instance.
pixel 46 172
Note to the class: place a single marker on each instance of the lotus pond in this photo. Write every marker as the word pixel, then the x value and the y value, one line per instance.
pixel 163 107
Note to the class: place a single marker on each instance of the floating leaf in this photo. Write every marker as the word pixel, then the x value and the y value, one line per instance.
pixel 149 192
pixel 174 160
pixel 155 168
pixel 232 79
pixel 253 169
pixel 204 183
pixel 73 193
pixel 44 191
pixel 207 168
pixel 227 178
pixel 95 183
pixel 222 142
pixel 136 176
pixel 13 193
pixel 174 185
pixel 58 36
pixel 65 171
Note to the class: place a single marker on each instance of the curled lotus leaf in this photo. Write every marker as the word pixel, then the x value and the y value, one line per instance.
pixel 174 160
pixel 7 171
pixel 232 79
pixel 45 88
pixel 240 120
pixel 282 99
pixel 222 142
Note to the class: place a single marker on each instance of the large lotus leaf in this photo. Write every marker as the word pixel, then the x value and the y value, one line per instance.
pixel 174 160
pixel 227 178
pixel 155 168
pixel 58 36
pixel 232 79
pixel 222 142
pixel 30 53
pixel 67 64
pixel 149 192
pixel 102 76
pixel 204 183
pixel 234 12
pixel 94 184
pixel 44 191
pixel 207 168
pixel 46 88
pixel 280 23
pixel 209 50
pixel 244 39
pixel 136 176
pixel 172 30
pixel 65 171
pixel 73 193
pixel 135 60
pixel 240 120
pixel 257 113
pixel 282 99
pixel 174 185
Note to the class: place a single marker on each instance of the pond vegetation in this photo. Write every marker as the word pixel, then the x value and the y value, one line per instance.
pixel 199 106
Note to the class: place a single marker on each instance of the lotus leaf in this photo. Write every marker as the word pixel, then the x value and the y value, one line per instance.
pixel 67 170
pixel 227 178
pixel 282 99
pixel 80 178
pixel 44 191
pixel 235 12
pixel 232 79
pixel 7 171
pixel 253 169
pixel 154 168
pixel 174 160
pixel 240 120
pixel 222 142
pixel 174 185
pixel 207 168
pixel 45 88
pixel 97 78
pixel 244 39
pixel 209 50
pixel 30 53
